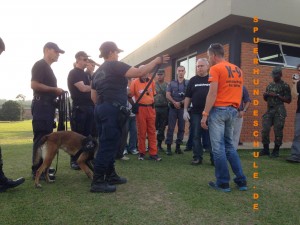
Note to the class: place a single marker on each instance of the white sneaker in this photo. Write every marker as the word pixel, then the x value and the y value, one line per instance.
pixel 134 152
pixel 125 158
pixel 125 152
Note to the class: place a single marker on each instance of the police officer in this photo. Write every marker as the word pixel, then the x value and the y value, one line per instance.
pixel 109 92
pixel 277 93
pixel 45 91
pixel 6 183
pixel 161 107
pixel 82 105
pixel 175 94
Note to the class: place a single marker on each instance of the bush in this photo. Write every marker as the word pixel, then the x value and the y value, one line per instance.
pixel 11 111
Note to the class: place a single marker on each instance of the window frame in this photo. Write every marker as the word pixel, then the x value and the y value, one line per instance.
pixel 279 44
pixel 187 68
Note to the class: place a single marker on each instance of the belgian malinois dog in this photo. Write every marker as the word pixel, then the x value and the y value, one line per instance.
pixel 72 143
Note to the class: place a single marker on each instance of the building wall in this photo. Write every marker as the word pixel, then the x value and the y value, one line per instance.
pixel 264 79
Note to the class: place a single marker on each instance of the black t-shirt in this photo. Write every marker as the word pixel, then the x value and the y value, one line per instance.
pixel 197 90
pixel 79 98
pixel 298 101
pixel 110 82
pixel 42 73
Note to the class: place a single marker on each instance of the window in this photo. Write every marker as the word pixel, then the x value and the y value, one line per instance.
pixel 189 62
pixel 273 53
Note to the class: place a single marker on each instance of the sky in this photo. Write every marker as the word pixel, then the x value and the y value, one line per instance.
pixel 25 27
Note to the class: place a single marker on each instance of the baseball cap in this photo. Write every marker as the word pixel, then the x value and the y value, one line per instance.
pixel 54 46
pixel 2 45
pixel 108 46
pixel 81 54
pixel 161 71
pixel 277 70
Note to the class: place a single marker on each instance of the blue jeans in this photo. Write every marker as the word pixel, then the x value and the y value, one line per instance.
pixel 189 143
pixel 109 131
pixel 295 149
pixel 220 122
pixel 132 134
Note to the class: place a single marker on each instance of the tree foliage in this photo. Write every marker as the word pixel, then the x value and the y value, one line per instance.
pixel 11 111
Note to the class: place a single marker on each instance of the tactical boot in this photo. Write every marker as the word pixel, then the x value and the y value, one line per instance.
pixel 113 178
pixel 8 183
pixel 159 148
pixel 169 151
pixel 265 150
pixel 275 152
pixel 178 150
pixel 99 184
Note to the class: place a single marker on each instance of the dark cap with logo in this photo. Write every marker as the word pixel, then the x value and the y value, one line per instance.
pixel 107 47
pixel 160 72
pixel 2 45
pixel 277 70
pixel 54 46
pixel 81 54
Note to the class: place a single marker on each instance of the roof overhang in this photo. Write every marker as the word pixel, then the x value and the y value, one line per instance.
pixel 213 16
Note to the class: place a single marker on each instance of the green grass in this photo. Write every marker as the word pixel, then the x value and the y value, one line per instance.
pixel 168 192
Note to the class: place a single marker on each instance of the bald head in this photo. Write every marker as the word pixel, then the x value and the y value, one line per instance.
pixel 2 46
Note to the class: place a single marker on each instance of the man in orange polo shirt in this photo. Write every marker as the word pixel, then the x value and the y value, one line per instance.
pixel 146 116
pixel 223 100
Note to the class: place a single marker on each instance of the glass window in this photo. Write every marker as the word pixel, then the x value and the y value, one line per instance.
pixel 189 62
pixel 278 54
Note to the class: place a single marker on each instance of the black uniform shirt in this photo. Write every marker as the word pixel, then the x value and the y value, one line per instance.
pixel 110 82
pixel 42 73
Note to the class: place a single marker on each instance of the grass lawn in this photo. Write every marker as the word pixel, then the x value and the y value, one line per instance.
pixel 167 192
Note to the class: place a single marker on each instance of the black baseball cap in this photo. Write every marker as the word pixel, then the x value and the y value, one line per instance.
pixel 160 71
pixel 54 46
pixel 2 45
pixel 108 46
pixel 81 54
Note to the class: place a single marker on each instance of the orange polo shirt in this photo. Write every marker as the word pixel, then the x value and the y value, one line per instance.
pixel 230 83
pixel 136 89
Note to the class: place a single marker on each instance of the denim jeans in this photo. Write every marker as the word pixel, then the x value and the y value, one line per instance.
pixel 197 131
pixel 132 134
pixel 295 149
pixel 220 122
pixel 109 131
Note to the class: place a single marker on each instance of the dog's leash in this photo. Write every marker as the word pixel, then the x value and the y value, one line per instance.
pixel 64 110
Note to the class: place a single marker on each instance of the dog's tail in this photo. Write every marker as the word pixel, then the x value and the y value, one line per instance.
pixel 37 149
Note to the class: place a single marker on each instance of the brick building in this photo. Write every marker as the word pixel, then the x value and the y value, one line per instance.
pixel 231 23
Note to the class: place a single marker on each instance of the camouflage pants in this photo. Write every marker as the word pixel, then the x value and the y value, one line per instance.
pixel 273 117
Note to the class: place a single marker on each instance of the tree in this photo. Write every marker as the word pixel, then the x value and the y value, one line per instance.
pixel 11 111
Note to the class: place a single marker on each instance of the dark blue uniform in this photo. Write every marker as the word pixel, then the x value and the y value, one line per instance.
pixel 111 85
pixel 43 105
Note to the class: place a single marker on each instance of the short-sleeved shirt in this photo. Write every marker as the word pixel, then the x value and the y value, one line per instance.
pixel 110 82
pixel 43 73
pixel 245 98
pixel 197 91
pixel 79 98
pixel 137 87
pixel 177 90
pixel 230 84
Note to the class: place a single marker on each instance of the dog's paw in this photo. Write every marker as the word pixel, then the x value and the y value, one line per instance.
pixel 38 185
pixel 51 181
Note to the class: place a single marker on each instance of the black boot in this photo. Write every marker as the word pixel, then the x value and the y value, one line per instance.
pixel 159 148
pixel 178 150
pixel 99 184
pixel 275 152
pixel 113 178
pixel 6 183
pixel 265 150
pixel 169 151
